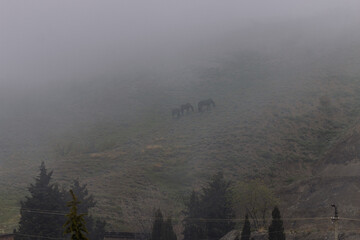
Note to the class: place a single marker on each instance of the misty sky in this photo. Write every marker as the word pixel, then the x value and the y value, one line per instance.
pixel 47 41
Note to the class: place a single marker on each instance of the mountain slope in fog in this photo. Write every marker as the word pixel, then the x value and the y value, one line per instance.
pixel 264 126
pixel 277 117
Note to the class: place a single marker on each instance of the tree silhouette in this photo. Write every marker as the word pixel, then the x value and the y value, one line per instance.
pixel 209 214
pixel 158 226
pixel 193 228
pixel 217 207
pixel 276 229
pixel 75 225
pixel 95 227
pixel 169 233
pixel 246 231
pixel 42 213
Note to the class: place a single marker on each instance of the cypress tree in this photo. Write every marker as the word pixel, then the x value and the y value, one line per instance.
pixel 169 233
pixel 162 230
pixel 75 225
pixel 42 213
pixel 246 231
pixel 276 229
pixel 158 226
pixel 95 227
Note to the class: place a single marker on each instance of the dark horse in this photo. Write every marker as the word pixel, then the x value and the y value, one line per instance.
pixel 175 112
pixel 186 107
pixel 206 103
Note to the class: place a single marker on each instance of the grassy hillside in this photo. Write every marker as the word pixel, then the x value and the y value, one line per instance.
pixel 263 126
pixel 274 120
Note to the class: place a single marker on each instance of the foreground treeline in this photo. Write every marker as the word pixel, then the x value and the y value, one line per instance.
pixel 210 214
pixel 45 211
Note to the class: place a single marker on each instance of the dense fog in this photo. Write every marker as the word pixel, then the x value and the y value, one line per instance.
pixel 63 61
pixel 46 41
pixel 89 87
pixel 60 59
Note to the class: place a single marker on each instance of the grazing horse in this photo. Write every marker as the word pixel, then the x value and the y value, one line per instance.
pixel 175 112
pixel 186 107
pixel 205 103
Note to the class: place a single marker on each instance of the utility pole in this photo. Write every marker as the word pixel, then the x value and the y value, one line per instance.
pixel 335 221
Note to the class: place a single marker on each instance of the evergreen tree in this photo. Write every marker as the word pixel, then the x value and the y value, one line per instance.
pixel 95 227
pixel 75 225
pixel 162 230
pixel 276 229
pixel 245 233
pixel 42 213
pixel 209 215
pixel 87 200
pixel 217 207
pixel 193 228
pixel 169 233
pixel 158 227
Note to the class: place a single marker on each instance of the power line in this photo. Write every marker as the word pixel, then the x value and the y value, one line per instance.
pixel 39 236
pixel 54 212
